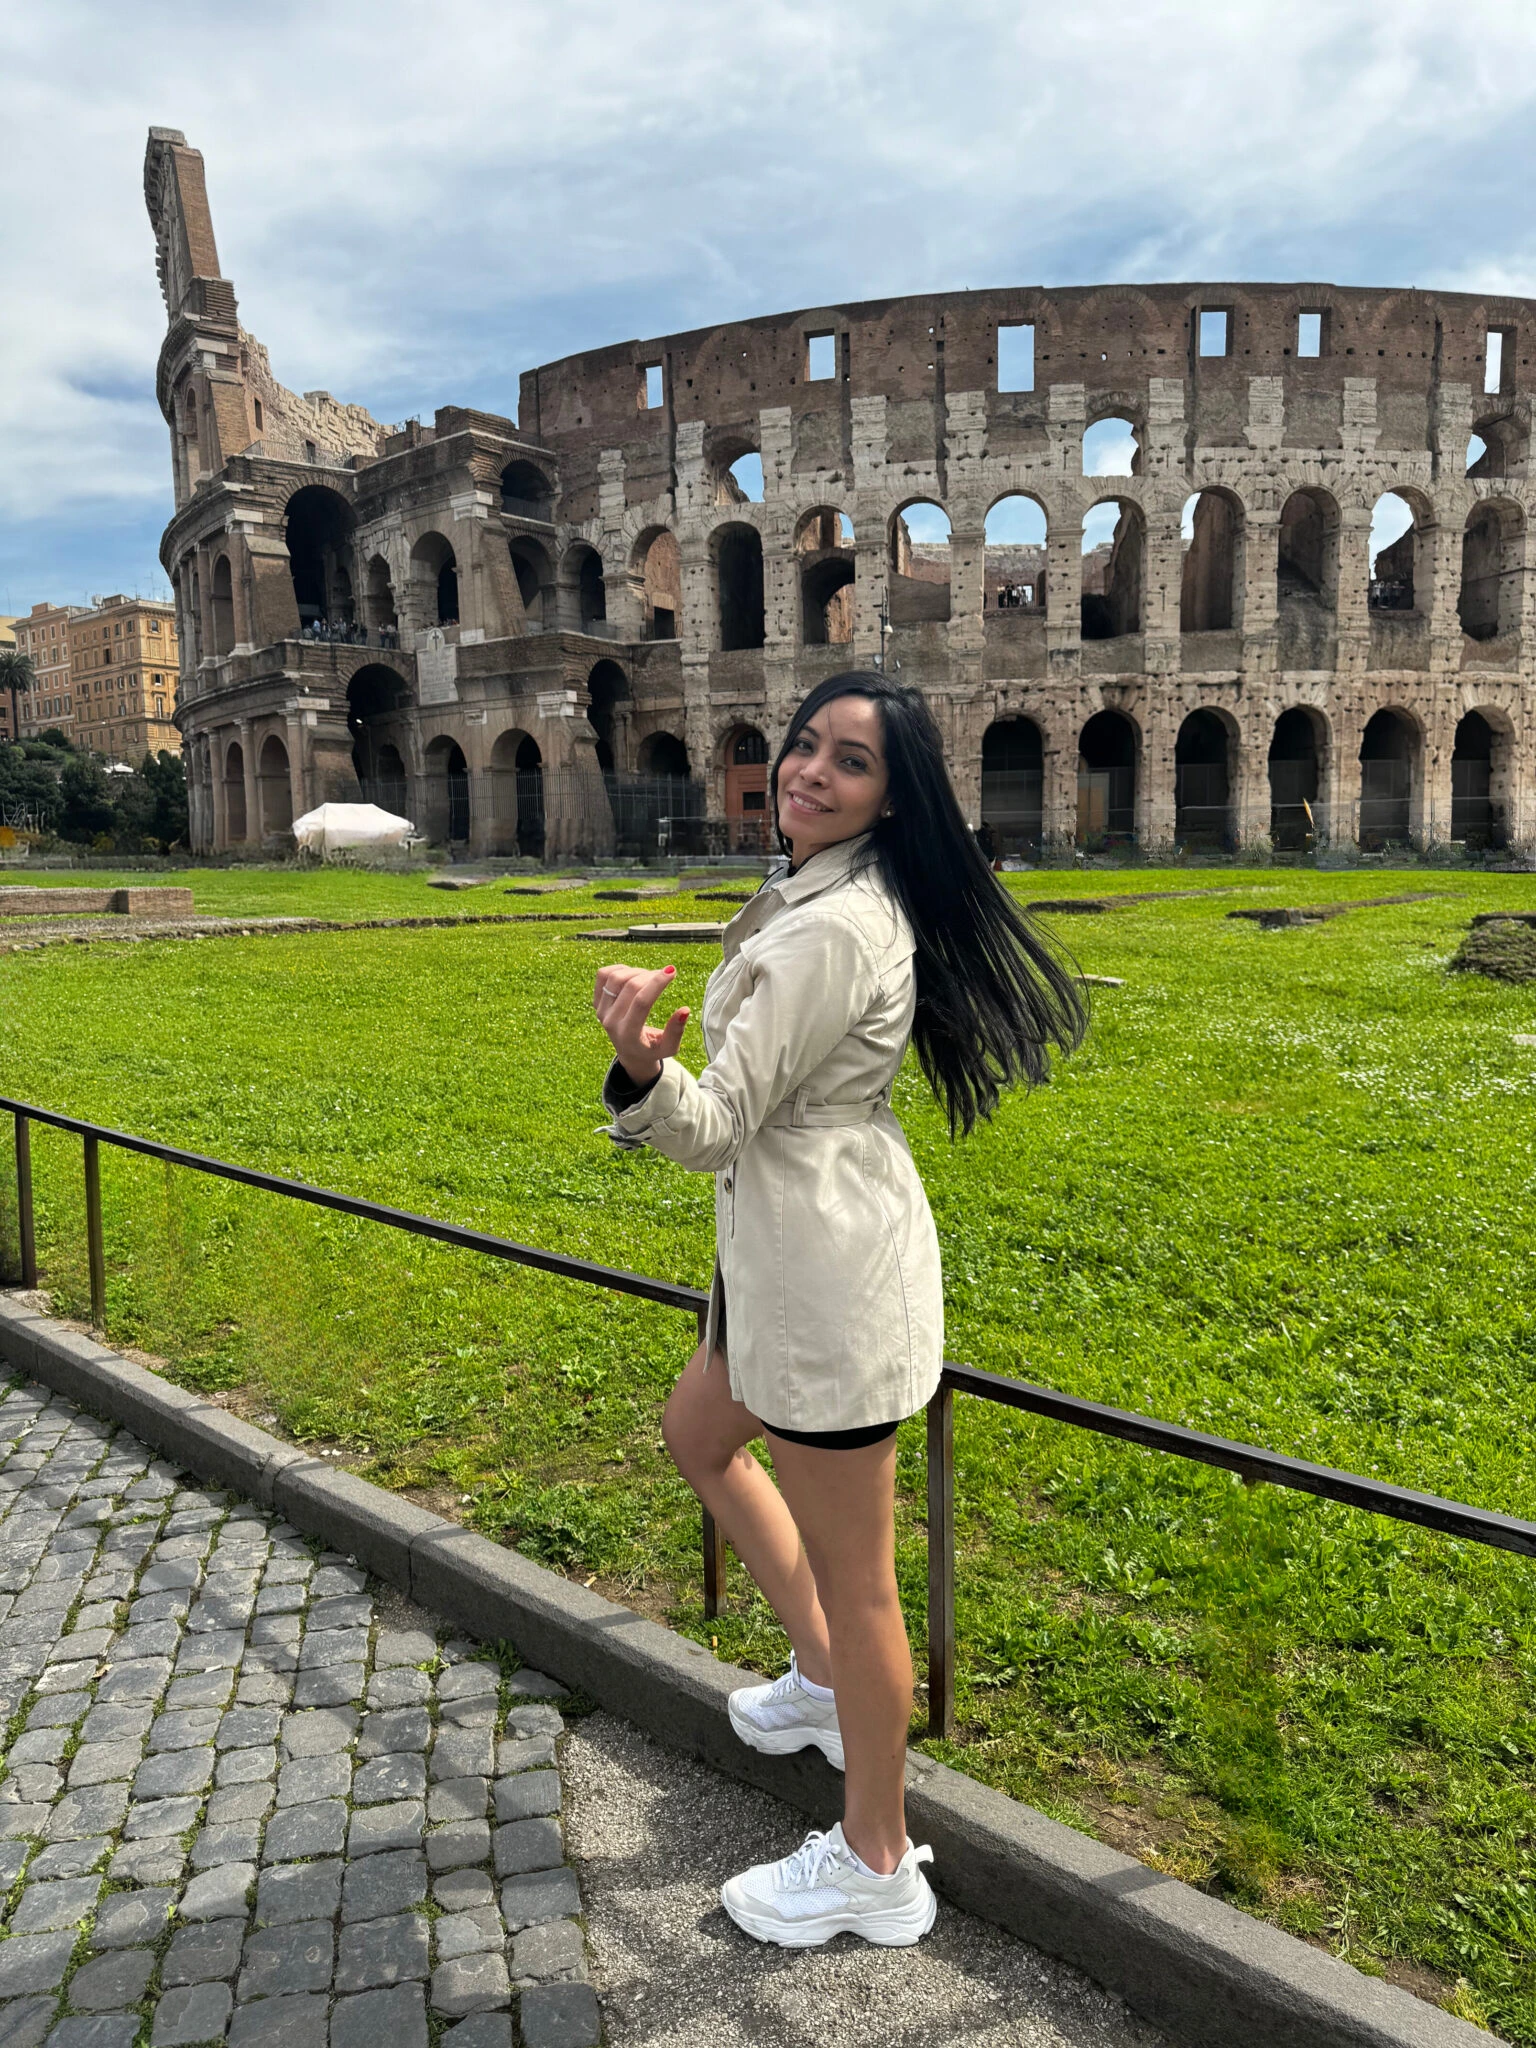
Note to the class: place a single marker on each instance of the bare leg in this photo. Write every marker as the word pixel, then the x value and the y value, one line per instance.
pixel 844 1504
pixel 707 1432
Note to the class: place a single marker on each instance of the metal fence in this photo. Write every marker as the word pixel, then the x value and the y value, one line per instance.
pixel 1251 1462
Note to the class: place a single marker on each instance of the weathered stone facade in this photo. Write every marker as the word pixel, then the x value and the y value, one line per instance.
pixel 592 593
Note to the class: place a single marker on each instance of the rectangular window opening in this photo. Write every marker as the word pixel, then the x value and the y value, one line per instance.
pixel 1213 331
pixel 820 357
pixel 1016 358
pixel 1499 360
pixel 654 395
pixel 1309 334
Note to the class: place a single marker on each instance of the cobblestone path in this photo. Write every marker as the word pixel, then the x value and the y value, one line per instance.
pixel 247 1795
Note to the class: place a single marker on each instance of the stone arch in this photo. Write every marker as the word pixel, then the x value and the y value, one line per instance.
pixel 1114 569
pixel 1505 445
pixel 583 590
pixel 1482 764
pixel 919 580
pixel 318 524
pixel 1112 440
pixel 664 755
pixel 1307 577
pixel 656 581
pixel 526 492
pixel 535 574
pixel 1012 787
pixel 1492 570
pixel 607 690
pixel 376 698
pixel 379 596
pixel 1298 759
pixel 236 825
pixel 517 794
pixel 1015 539
pixel 1402 555
pixel 738 557
pixel 823 546
pixel 274 788
pixel 728 449
pixel 1204 761
pixel 445 784
pixel 1211 583
pixel 435 580
pixel 1108 760
pixel 1391 768
pixel 223 602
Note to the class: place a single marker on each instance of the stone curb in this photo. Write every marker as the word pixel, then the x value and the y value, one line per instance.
pixel 1201 1970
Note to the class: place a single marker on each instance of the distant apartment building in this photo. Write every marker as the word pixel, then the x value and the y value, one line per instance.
pixel 7 644
pixel 44 636
pixel 122 678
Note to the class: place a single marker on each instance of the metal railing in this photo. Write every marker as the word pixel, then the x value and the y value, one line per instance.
pixel 1254 1464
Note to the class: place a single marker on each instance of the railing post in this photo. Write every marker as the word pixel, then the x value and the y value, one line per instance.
pixel 26 1229
pixel 941 1564
pixel 95 1249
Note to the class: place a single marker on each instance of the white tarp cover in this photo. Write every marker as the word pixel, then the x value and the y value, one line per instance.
pixel 331 827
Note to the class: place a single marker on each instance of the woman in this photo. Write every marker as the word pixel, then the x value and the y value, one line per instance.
pixel 826 1323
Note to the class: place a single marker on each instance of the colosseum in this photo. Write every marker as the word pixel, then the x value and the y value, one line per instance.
pixel 1200 565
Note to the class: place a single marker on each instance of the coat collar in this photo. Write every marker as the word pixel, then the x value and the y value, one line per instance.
pixel 821 872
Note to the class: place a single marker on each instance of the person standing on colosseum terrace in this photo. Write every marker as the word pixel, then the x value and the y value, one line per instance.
pixel 826 1318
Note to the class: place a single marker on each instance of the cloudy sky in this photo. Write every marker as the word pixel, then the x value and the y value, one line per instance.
pixel 414 204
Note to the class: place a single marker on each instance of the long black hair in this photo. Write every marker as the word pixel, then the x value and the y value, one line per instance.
pixel 992 996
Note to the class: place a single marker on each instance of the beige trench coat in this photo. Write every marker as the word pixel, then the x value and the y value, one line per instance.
pixel 827 1261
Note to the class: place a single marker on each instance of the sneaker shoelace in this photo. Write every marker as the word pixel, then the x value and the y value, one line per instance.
pixel 817 1855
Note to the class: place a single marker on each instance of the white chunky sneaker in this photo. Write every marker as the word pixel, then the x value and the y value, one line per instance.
pixel 820 1891
pixel 784 1716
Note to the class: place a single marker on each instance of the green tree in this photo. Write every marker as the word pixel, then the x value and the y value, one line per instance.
pixel 87 799
pixel 152 804
pixel 18 676
pixel 29 789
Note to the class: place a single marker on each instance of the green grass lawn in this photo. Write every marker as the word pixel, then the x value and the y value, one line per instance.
pixel 1284 1193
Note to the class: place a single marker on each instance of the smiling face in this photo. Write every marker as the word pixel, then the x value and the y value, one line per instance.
pixel 833 781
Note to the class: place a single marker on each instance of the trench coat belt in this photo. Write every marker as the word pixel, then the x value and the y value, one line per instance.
pixel 795 1113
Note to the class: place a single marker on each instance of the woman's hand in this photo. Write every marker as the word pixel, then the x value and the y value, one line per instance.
pixel 623 1000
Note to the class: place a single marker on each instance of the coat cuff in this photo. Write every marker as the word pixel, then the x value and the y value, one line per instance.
pixel 635 1110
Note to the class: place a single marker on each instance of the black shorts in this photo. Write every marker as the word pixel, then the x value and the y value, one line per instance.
pixel 836 1439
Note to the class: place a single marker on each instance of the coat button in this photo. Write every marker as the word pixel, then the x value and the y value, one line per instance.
pixel 727 1183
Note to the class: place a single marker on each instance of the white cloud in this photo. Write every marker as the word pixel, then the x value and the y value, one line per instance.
pixel 413 206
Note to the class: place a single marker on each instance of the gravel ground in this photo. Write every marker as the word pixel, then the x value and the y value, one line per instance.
pixel 653 1836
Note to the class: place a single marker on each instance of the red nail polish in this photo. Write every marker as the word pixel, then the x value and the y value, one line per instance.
pixel 671 970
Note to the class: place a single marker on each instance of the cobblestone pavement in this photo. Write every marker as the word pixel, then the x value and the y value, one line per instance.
pixel 653 1835
pixel 248 1795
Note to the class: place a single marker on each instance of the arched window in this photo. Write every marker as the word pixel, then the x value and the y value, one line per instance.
pixel 1112 447
pixel 920 564
pixel 223 608
pixel 1106 780
pixel 663 755
pixel 535 580
pixel 1307 579
pixel 827 572
pixel 1295 777
pixel 592 592
pixel 319 535
pixel 526 492
pixel 656 575
pixel 376 696
pixel 380 596
pixel 1012 787
pixel 273 788
pixel 1394 546
pixel 434 581
pixel 234 793
pixel 447 792
pixel 739 578
pixel 1202 781
pixel 1114 553
pixel 1015 556
pixel 1492 569
pixel 1212 530
pixel 746 473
